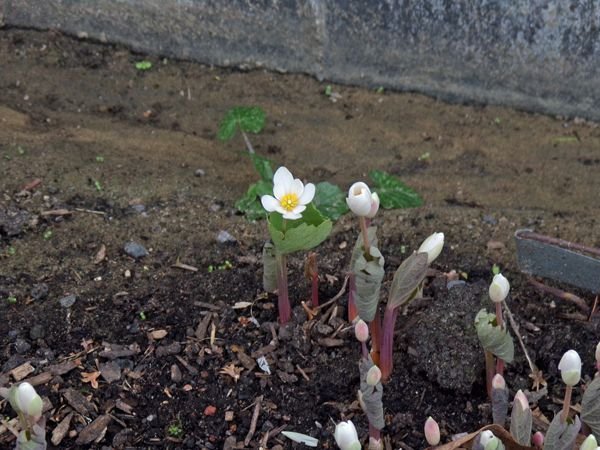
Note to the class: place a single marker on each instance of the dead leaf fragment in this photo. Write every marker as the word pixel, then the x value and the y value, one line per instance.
pixel 157 334
pixel 100 255
pixel 231 370
pixel 91 377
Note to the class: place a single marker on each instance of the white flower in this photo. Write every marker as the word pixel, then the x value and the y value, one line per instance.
pixel 499 288
pixel 361 201
pixel 570 368
pixel 346 437
pixel 590 443
pixel 28 401
pixel 291 195
pixel 432 246
pixel 374 205
pixel 432 431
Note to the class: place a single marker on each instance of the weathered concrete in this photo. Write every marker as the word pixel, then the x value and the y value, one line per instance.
pixel 538 55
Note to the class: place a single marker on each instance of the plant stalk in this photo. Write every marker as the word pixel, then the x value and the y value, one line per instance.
pixel 566 404
pixel 375 331
pixel 500 322
pixel 365 235
pixel 283 304
pixel 352 311
pixel 489 372
pixel 374 433
pixel 387 343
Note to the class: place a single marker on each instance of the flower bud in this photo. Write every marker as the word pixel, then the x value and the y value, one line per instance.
pixel 28 401
pixel 538 439
pixel 346 437
pixel 570 368
pixel 590 443
pixel 373 376
pixel 374 205
pixel 487 440
pixel 359 199
pixel 432 431
pixel 361 331
pixel 498 382
pixel 432 246
pixel 522 400
pixel 499 288
pixel 375 444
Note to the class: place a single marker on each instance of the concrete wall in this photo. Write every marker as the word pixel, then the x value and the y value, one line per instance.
pixel 538 55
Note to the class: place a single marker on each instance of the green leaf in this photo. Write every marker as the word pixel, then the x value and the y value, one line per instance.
pixel 407 279
pixel 590 406
pixel 249 119
pixel 520 424
pixel 493 338
pixel 250 204
pixel 330 200
pixel 143 65
pixel 302 234
pixel 392 192
pixel 262 166
pixel 561 436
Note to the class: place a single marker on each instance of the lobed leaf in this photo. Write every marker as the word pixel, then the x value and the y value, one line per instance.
pixel 561 436
pixel 249 119
pixel 520 424
pixel 493 338
pixel 590 406
pixel 393 193
pixel 330 200
pixel 407 279
pixel 358 245
pixel 262 166
pixel 250 204
pixel 303 234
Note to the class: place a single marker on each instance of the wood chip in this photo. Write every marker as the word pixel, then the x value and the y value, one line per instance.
pixel 57 212
pixel 61 429
pixel 263 351
pixel 248 362
pixel 180 265
pixel 78 402
pixel 125 407
pixel 206 305
pixel 110 371
pixel 157 334
pixel 94 431
pixel 20 372
pixel 100 255
pixel 329 342
pixel 42 378
pixel 65 367
pixel 191 369
pixel 228 416
pixel 202 327
pixel 114 351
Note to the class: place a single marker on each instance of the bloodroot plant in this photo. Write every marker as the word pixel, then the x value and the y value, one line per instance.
pixel 28 405
pixel 294 224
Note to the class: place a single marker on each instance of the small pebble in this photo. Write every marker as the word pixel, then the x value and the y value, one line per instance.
pixel 22 346
pixel 135 250
pixel 224 237
pixel 39 291
pixel 138 208
pixel 175 373
pixel 199 173
pixel 68 301
pixel 36 332
pixel 489 219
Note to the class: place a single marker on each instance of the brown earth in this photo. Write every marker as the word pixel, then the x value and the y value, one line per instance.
pixel 133 156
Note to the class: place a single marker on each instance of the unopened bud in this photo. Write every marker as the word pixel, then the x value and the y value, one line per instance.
pixel 499 288
pixel 432 246
pixel 498 382
pixel 590 443
pixel 432 431
pixel 521 398
pixel 570 368
pixel 374 205
pixel 28 401
pixel 373 376
pixel 538 439
pixel 598 353
pixel 361 330
pixel 346 437
pixel 359 199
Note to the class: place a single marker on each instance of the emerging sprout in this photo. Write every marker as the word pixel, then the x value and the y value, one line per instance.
pixel 432 431
pixel 361 331
pixel 27 401
pixel 538 440
pixel 499 288
pixel 373 376
pixel 590 443
pixel 522 399
pixel 346 437
pixel 360 200
pixel 487 441
pixel 498 382
pixel 432 246
pixel 291 195
pixel 570 368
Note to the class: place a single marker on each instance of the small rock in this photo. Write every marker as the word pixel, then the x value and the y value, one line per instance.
pixel 22 346
pixel 37 332
pixel 175 373
pixel 230 443
pixel 225 237
pixel 135 250
pixel 489 219
pixel 166 350
pixel 13 334
pixel 68 301
pixel 39 291
pixel 199 173
pixel 214 207
pixel 138 208
pixel 111 371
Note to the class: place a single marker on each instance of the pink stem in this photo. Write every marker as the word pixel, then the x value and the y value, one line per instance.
pixel 374 432
pixel 500 322
pixel 489 372
pixel 375 330
pixel 283 304
pixel 365 235
pixel 387 343
pixel 566 404
pixel 352 311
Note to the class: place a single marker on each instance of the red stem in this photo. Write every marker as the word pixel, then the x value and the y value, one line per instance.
pixel 500 322
pixel 566 404
pixel 283 303
pixel 489 372
pixel 365 234
pixel 374 432
pixel 375 331
pixel 352 311
pixel 387 343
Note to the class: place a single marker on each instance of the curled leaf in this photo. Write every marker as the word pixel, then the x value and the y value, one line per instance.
pixel 590 406
pixel 562 435
pixel 407 279
pixel 371 396
pixel 368 276
pixel 520 423
pixel 493 338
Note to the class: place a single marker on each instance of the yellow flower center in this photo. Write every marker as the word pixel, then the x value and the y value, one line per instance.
pixel 289 201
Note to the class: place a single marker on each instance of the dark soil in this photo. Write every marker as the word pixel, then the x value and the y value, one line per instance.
pixel 132 157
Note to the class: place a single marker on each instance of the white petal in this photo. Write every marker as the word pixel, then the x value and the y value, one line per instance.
pixel 269 202
pixel 284 178
pixel 279 190
pixel 297 187
pixel 298 209
pixel 308 194
pixel 359 199
pixel 291 215
pixel 281 210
